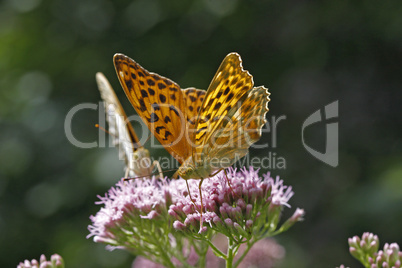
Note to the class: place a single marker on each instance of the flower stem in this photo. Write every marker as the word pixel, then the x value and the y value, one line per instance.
pixel 216 250
pixel 229 255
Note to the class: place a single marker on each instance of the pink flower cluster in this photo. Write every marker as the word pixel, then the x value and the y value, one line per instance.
pixel 125 205
pixel 157 219
pixel 232 204
pixel 365 249
pixel 56 261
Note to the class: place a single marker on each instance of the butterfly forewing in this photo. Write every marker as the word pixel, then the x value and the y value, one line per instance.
pixel 229 88
pixel 160 103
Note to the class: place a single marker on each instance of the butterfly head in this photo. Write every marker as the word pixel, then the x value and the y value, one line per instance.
pixel 189 170
pixel 186 172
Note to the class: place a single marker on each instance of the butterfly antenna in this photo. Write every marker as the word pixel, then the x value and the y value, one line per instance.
pixel 138 177
pixel 148 175
pixel 102 128
pixel 167 170
pixel 149 137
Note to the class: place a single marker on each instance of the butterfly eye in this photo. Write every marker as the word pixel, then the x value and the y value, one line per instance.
pixel 187 171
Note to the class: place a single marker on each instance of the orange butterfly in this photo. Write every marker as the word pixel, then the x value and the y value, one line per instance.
pixel 206 131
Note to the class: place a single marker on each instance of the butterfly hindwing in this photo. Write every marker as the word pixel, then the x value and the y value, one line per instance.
pixel 193 99
pixel 234 137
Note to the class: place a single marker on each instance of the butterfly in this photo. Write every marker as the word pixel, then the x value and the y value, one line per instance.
pixel 206 131
pixel 137 159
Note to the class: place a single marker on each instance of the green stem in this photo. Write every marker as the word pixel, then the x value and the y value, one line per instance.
pixel 216 250
pixel 229 255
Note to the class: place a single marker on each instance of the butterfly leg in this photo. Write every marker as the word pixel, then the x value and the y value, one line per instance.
pixel 227 179
pixel 193 200
pixel 216 172
pixel 202 205
pixel 189 193
pixel 230 186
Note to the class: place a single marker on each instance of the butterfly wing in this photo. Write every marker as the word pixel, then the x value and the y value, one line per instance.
pixel 229 86
pixel 231 116
pixel 160 103
pixel 234 137
pixel 136 158
pixel 193 99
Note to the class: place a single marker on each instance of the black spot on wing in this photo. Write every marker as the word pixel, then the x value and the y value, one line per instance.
pixel 154 118
pixel 143 107
pixel 151 82
pixel 167 134
pixel 172 108
pixel 158 129
pixel 129 84
pixel 151 91
pixel 162 98
pixel 155 106
pixel 161 86
pixel 167 119
pixel 144 94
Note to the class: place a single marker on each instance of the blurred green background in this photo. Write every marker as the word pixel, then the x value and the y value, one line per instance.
pixel 309 53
